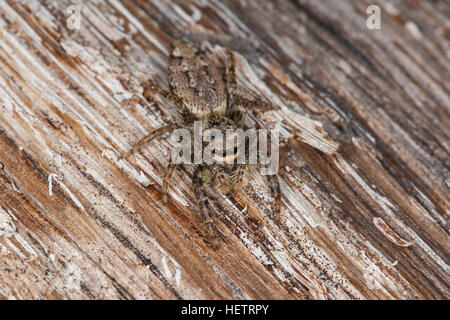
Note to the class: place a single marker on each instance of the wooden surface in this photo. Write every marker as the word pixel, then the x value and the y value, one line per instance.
pixel 367 222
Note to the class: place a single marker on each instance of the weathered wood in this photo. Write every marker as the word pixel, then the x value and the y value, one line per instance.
pixel 368 221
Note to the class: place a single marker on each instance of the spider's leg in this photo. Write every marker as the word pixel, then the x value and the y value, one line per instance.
pixel 151 87
pixel 247 104
pixel 274 186
pixel 237 104
pixel 152 135
pixel 167 175
pixel 205 205
pixel 231 80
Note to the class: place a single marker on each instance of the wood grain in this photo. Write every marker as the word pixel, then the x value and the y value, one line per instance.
pixel 368 221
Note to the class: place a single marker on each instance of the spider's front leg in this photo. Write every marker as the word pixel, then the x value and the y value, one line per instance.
pixel 274 187
pixel 151 87
pixel 202 179
pixel 149 137
pixel 231 81
pixel 246 104
pixel 233 111
pixel 167 175
pixel 236 102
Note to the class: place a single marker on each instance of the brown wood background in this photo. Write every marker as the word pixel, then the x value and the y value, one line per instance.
pixel 367 222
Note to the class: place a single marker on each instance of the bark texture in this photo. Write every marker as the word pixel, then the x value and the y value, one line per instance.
pixel 368 221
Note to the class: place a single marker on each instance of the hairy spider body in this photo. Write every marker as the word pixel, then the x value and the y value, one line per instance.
pixel 196 81
pixel 201 93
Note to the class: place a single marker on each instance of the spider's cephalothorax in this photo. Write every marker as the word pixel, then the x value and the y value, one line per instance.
pixel 202 93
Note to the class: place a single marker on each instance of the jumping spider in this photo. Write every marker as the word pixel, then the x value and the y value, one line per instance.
pixel 200 92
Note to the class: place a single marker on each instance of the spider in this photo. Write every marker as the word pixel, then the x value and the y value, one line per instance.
pixel 201 93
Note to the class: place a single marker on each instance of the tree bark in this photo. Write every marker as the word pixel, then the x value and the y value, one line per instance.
pixel 364 122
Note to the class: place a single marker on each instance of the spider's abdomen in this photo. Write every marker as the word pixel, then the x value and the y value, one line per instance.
pixel 197 82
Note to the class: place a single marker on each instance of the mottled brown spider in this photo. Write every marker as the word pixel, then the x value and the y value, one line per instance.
pixel 201 92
